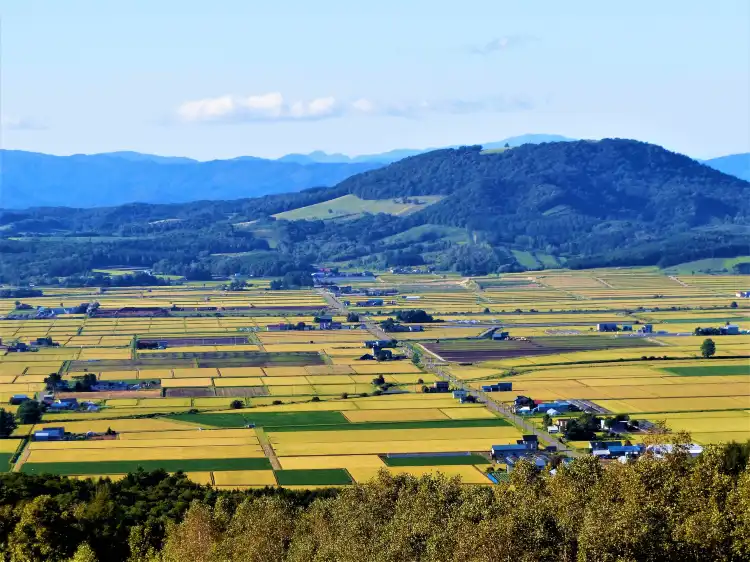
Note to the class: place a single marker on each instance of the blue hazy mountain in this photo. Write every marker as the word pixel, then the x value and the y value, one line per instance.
pixel 141 157
pixel 737 165
pixel 32 179
pixel 401 153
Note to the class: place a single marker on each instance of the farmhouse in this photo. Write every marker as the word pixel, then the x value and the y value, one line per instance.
pixel 441 386
pixel 606 327
pixel 497 387
pixel 370 302
pixel 64 404
pixel 558 407
pixel 49 434
pixel 614 449
pixel 527 445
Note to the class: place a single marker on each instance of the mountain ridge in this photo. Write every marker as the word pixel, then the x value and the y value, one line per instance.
pixel 613 202
pixel 737 165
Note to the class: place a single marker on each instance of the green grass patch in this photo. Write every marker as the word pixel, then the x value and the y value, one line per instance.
pixel 708 265
pixel 709 370
pixel 428 232
pixel 122 467
pixel 350 206
pixel 266 419
pixel 435 460
pixel 705 321
pixel 5 461
pixel 549 261
pixel 313 477
pixel 526 259
pixel 433 424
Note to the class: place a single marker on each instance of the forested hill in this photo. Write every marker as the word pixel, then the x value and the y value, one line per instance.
pixel 583 203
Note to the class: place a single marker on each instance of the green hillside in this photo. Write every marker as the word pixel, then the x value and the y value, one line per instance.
pixel 583 204
pixel 351 206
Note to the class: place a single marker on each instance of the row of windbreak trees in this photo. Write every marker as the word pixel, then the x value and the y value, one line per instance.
pixel 675 508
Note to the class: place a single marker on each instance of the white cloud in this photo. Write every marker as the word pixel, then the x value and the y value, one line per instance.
pixel 20 124
pixel 264 107
pixel 363 105
pixel 273 107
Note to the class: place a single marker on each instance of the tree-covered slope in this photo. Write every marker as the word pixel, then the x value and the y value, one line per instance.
pixel 609 202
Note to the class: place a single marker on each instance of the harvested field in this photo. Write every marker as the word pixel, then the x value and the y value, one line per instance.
pixel 198 341
pixel 472 351
pixel 186 392
pixel 215 360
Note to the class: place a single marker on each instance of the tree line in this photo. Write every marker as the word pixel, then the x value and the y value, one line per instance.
pixel 674 508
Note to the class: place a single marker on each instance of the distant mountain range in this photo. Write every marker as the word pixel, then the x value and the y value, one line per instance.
pixel 401 153
pixel 611 202
pixel 737 165
pixel 32 179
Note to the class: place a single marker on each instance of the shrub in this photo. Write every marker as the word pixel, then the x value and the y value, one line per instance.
pixel 236 404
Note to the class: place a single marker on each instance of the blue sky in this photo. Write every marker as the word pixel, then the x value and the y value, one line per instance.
pixel 235 77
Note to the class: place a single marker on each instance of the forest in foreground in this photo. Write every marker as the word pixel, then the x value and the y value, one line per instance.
pixel 674 508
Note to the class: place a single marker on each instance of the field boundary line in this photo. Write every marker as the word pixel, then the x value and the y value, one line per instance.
pixel 267 448
pixel 22 458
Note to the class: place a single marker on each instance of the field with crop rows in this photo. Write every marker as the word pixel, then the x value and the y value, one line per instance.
pixel 237 403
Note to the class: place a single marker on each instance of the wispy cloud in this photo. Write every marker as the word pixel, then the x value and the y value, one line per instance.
pixel 493 104
pixel 498 44
pixel 273 107
pixel 21 124
pixel 265 107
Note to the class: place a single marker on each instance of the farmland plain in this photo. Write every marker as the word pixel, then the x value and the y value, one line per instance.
pixel 236 402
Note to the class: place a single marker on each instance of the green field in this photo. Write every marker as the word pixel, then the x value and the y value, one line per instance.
pixel 710 370
pixel 322 421
pixel 430 232
pixel 265 419
pixel 434 424
pixel 548 261
pixel 313 477
pixel 526 259
pixel 121 467
pixel 705 321
pixel 5 462
pixel 706 266
pixel 351 206
pixel 435 460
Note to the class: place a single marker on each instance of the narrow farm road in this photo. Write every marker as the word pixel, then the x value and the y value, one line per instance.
pixel 433 367
pixel 267 448
pixel 528 428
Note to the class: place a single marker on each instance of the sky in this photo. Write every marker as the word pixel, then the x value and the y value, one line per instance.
pixel 227 78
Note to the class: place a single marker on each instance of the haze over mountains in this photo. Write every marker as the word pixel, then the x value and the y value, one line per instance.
pixel 32 179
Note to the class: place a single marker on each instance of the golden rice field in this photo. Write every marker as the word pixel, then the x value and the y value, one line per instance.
pixel 712 406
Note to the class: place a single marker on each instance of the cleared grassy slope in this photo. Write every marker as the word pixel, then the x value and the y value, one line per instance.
pixel 351 206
